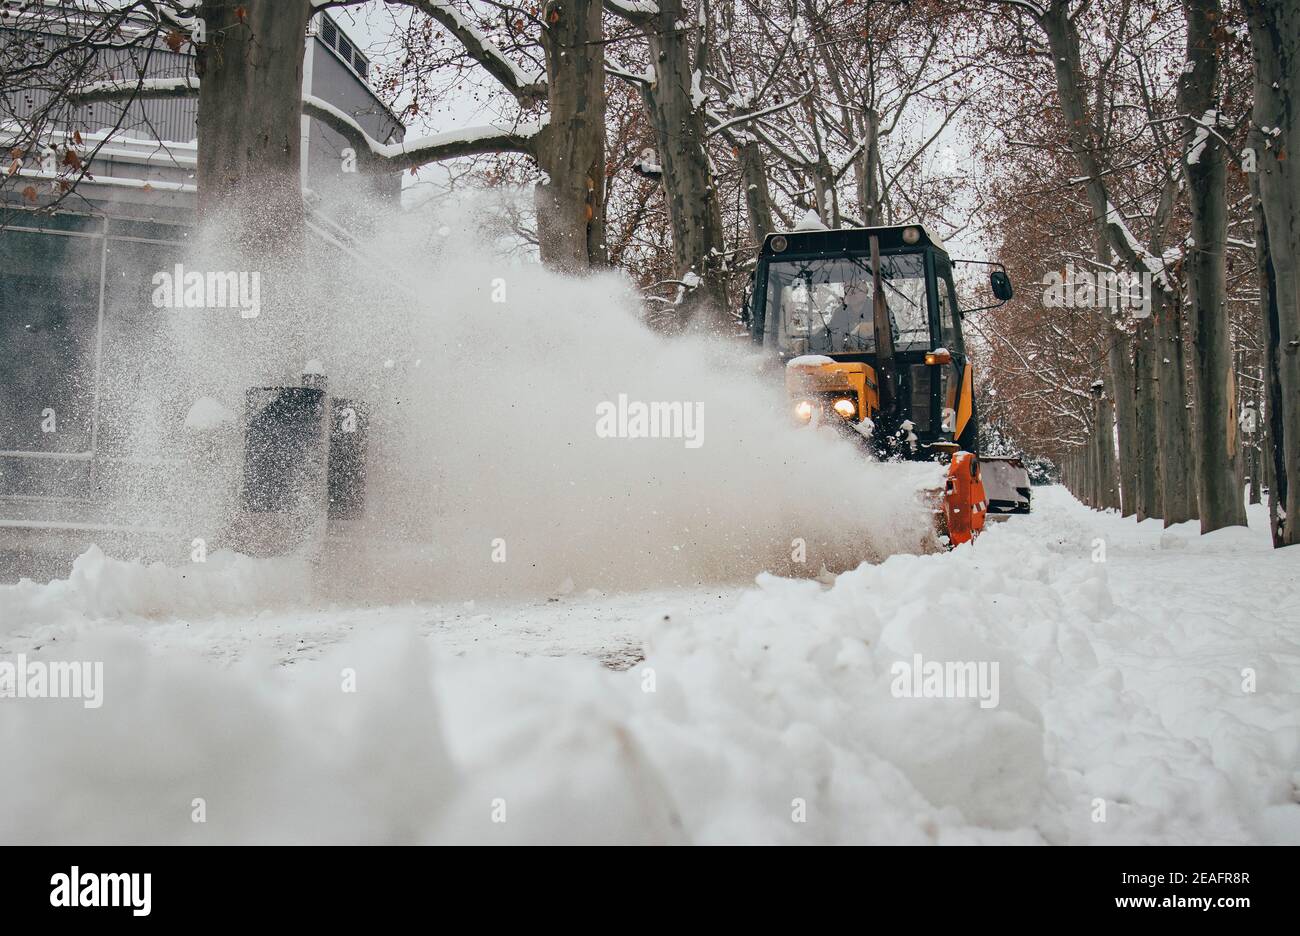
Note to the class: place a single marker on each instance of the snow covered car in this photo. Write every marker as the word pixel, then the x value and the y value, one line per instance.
pixel 1006 484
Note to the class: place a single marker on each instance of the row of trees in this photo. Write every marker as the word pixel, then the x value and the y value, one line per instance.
pixel 721 123
pixel 1160 151
pixel 622 113
pixel 1107 136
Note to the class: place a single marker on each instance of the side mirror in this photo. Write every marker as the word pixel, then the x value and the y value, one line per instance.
pixel 1001 284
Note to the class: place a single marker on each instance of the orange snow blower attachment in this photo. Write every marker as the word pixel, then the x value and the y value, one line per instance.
pixel 964 504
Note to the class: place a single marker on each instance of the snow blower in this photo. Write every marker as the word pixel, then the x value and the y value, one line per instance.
pixel 866 325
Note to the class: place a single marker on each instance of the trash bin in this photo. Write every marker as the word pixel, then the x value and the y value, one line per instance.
pixel 284 449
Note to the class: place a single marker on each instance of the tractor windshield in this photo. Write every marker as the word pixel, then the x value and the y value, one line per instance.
pixel 824 306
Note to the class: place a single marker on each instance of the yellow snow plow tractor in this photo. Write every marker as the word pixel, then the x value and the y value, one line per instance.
pixel 867 326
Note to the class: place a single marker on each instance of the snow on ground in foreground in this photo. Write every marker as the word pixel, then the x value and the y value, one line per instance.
pixel 1119 680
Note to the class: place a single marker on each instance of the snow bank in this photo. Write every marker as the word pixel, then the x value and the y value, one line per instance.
pixel 102 587
pixel 271 755
pixel 787 701
pixel 1119 684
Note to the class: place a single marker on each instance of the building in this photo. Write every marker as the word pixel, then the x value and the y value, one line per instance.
pixel 76 331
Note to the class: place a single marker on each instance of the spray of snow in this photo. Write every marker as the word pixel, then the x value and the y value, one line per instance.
pixel 483 377
pixel 488 432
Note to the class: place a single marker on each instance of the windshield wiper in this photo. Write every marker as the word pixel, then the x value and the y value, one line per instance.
pixel 893 321
pixel 863 266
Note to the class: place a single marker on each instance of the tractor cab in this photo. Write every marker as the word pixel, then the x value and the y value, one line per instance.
pixel 867 324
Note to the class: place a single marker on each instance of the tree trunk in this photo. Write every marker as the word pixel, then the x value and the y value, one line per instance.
pixel 1242 441
pixel 1064 43
pixel 866 170
pixel 1205 171
pixel 1121 374
pixel 571 203
pixel 1120 364
pixel 1255 495
pixel 1146 404
pixel 1177 462
pixel 1273 421
pixel 250 72
pixel 1092 489
pixel 1107 486
pixel 693 211
pixel 758 197
pixel 1275 37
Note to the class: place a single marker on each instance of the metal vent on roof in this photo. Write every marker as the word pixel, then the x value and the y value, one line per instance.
pixel 333 37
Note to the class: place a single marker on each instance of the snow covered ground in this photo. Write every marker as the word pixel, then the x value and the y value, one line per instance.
pixel 1148 690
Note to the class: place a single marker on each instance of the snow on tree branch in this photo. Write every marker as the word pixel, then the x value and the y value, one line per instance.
pixel 470 141
pixel 1139 254
pixel 1032 8
pixel 634 11
pixel 630 77
pixel 726 124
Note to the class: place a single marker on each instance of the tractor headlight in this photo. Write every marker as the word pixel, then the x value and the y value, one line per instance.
pixel 911 235
pixel 846 407
pixel 803 410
